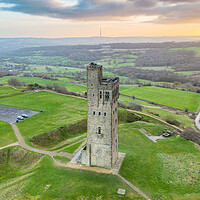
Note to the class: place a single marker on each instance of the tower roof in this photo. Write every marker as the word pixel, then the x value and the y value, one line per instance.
pixel 94 65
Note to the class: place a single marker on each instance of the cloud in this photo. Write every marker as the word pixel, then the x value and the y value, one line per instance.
pixel 167 11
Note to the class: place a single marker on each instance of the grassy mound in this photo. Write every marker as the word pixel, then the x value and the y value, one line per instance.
pixel 15 160
pixel 48 181
pixel 51 138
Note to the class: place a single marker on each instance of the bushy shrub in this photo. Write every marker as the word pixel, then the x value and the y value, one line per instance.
pixel 34 86
pixel 125 116
pixel 171 120
pixel 190 134
pixel 14 82
pixel 49 86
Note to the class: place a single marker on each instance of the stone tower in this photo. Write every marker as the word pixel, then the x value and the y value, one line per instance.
pixel 102 128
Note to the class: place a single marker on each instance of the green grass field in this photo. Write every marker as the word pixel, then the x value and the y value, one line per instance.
pixel 8 90
pixel 7 135
pixel 161 68
pixel 72 148
pixel 183 119
pixel 28 179
pixel 70 86
pixel 117 62
pixel 169 97
pixel 188 73
pixel 196 49
pixel 58 110
pixel 55 69
pixel 127 100
pixel 168 169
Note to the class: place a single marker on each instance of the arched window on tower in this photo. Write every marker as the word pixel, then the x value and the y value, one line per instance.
pixel 99 130
pixel 107 96
pixel 100 95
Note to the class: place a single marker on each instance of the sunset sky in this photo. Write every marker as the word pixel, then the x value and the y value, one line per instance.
pixel 83 18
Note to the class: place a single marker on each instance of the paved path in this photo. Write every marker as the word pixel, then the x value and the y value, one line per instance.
pixel 75 166
pixel 25 146
pixel 115 169
pixel 133 187
pixel 10 145
pixel 197 123
pixel 152 138
pixel 80 147
pixel 71 144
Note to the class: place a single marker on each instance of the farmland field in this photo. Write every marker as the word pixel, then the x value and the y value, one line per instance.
pixel 188 73
pixel 169 97
pixel 70 86
pixel 196 49
pixel 54 69
pixel 167 68
pixel 127 100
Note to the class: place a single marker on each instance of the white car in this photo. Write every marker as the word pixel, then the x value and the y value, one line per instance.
pixel 20 118
pixel 24 115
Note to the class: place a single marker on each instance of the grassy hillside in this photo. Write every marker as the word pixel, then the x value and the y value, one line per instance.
pixel 58 110
pixel 183 119
pixel 169 97
pixel 8 90
pixel 45 181
pixel 70 86
pixel 7 135
pixel 168 169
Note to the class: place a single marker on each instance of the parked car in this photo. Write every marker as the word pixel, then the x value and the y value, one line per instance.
pixel 24 115
pixel 20 118
pixel 166 134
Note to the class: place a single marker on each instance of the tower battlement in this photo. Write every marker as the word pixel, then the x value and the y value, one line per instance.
pixel 102 128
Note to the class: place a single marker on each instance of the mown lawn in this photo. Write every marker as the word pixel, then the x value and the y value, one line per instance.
pixel 169 97
pixel 7 135
pixel 168 169
pixel 46 181
pixel 58 110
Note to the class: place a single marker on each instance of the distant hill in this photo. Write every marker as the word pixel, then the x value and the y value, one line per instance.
pixel 9 44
